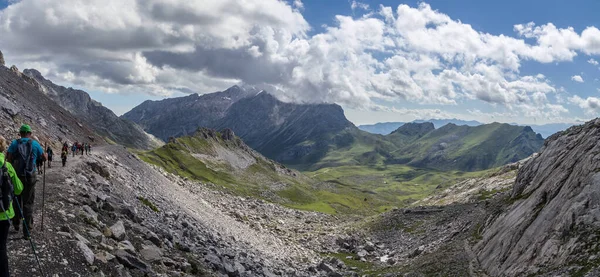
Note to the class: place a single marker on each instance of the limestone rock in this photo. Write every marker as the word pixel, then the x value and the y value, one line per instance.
pixel 88 254
pixel 118 230
pixel 554 209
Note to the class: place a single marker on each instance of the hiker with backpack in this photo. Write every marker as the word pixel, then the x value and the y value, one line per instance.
pixel 74 148
pixel 50 154
pixel 23 153
pixel 10 185
pixel 63 157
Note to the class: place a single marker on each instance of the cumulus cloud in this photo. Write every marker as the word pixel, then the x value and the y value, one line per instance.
pixel 591 105
pixel 577 78
pixel 592 61
pixel 398 54
pixel 359 5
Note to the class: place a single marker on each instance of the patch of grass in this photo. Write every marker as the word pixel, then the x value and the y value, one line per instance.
pixel 148 204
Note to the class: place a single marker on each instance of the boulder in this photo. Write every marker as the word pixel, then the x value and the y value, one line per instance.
pixel 88 254
pixel 131 261
pixel 151 253
pixel 118 230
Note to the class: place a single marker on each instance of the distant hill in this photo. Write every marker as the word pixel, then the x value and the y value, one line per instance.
pixel 547 130
pixel 464 147
pixel 101 119
pixel 385 128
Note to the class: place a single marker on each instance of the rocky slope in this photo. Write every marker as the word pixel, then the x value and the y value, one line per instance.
pixel 550 225
pixel 112 214
pixel 22 101
pixel 98 117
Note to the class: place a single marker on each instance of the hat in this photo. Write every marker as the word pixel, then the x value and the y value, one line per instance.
pixel 25 129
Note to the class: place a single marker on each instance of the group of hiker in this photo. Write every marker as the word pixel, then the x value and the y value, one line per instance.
pixel 79 148
pixel 19 171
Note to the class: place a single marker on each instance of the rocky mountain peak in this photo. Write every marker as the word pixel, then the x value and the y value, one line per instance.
pixel 552 217
pixel 415 129
pixel 2 63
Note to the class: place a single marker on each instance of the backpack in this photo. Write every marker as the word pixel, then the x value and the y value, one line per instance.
pixel 23 162
pixel 7 189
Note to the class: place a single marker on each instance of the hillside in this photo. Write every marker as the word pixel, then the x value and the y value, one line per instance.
pixel 224 159
pixel 98 117
pixel 23 101
pixel 463 147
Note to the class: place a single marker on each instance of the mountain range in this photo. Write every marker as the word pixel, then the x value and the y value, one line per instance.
pixel 385 128
pixel 313 136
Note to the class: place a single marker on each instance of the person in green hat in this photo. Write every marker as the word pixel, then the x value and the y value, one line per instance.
pixel 23 154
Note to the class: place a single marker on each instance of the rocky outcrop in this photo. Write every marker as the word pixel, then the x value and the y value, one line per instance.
pixel 98 117
pixel 22 101
pixel 551 223
pixel 2 62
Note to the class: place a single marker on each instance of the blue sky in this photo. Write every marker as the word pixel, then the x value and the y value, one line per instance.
pixel 377 59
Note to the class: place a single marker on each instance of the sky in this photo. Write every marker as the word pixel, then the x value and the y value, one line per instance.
pixel 527 62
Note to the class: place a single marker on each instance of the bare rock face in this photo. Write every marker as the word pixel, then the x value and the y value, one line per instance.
pixel 2 63
pixel 554 219
pixel 15 70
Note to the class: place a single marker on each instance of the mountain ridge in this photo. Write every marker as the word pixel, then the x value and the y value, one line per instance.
pixel 102 119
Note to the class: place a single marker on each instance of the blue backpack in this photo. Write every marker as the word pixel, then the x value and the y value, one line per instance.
pixel 23 161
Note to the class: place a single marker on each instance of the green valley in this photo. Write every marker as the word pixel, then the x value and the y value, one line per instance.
pixel 354 179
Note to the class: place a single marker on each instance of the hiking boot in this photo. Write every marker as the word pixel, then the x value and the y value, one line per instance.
pixel 26 237
pixel 17 227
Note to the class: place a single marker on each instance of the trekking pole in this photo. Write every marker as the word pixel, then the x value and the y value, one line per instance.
pixel 30 237
pixel 43 191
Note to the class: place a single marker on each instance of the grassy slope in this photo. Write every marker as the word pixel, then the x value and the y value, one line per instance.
pixel 299 192
pixel 355 176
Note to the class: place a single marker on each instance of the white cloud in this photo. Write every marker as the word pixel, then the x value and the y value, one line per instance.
pixel 359 5
pixel 590 105
pixel 162 46
pixel 592 61
pixel 577 78
pixel 298 4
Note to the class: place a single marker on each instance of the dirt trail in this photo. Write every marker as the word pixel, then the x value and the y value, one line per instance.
pixel 54 250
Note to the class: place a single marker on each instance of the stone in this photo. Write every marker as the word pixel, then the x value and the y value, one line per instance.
pixel 362 253
pixel 214 260
pixel 131 261
pixel 325 267
pixel 104 257
pixel 151 253
pixel 81 238
pixel 107 232
pixel 118 230
pixel 126 245
pixel 88 254
pixel 152 237
pixel 2 62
